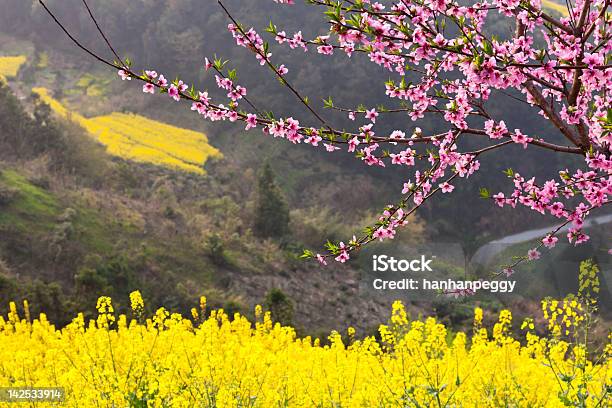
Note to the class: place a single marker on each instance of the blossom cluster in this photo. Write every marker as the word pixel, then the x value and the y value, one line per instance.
pixel 565 79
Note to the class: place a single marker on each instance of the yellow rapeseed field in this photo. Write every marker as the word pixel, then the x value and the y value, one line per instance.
pixel 9 66
pixel 172 361
pixel 553 5
pixel 140 139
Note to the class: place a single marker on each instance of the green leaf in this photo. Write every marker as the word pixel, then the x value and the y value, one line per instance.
pixel 307 254
pixel 217 63
pixel 271 28
pixel 231 74
pixel 328 103
pixel 484 193
pixel 331 247
pixel 487 48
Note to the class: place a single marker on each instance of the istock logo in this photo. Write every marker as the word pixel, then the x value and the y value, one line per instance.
pixel 384 263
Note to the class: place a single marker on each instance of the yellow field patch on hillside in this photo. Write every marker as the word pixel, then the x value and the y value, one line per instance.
pixel 58 107
pixel 141 139
pixel 9 66
pixel 551 5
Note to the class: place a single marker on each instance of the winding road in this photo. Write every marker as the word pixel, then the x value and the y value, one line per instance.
pixel 487 252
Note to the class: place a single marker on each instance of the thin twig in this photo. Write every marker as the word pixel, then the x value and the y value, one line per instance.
pixel 102 33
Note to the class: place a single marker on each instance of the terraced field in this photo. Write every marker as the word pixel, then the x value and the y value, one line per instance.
pixel 552 5
pixel 9 66
pixel 137 138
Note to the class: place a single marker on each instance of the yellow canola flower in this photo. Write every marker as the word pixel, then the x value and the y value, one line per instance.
pixel 9 66
pixel 140 139
pixel 219 361
pixel 136 303
pixel 478 315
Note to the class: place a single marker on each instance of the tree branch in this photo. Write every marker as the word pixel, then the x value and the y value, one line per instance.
pixel 551 114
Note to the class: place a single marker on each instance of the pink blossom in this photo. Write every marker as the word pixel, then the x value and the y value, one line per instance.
pixel 397 135
pixel 232 116
pixel 282 70
pixel 207 64
pixel 174 92
pixel 593 59
pixel 500 199
pixel 352 144
pixel 148 88
pixel 124 75
pixel 495 131
pixel 321 259
pixel 330 148
pixel 251 121
pixel 199 107
pixel 203 97
pixel 325 49
pixel 181 86
pixel 344 255
pixel 520 138
pixel 371 115
pixel 446 187
pixel 533 254
pixel 550 241
pixel 313 140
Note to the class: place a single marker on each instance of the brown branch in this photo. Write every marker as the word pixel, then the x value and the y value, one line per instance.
pixel 535 142
pixel 551 114
pixel 102 33
pixel 601 14
pixel 267 61
pixel 74 40
pixel 583 15
pixel 545 83
pixel 548 18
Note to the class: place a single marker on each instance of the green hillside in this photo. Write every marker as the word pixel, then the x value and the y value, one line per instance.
pixel 77 223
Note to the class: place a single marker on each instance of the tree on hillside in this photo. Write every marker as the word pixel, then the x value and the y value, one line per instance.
pixel 280 306
pixel 271 209
pixel 444 66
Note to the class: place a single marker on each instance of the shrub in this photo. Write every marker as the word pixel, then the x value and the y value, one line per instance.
pixel 216 250
pixel 271 211
pixel 280 306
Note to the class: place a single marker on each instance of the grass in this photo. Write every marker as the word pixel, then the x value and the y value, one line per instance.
pixel 140 139
pixel 31 209
pixel 36 212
